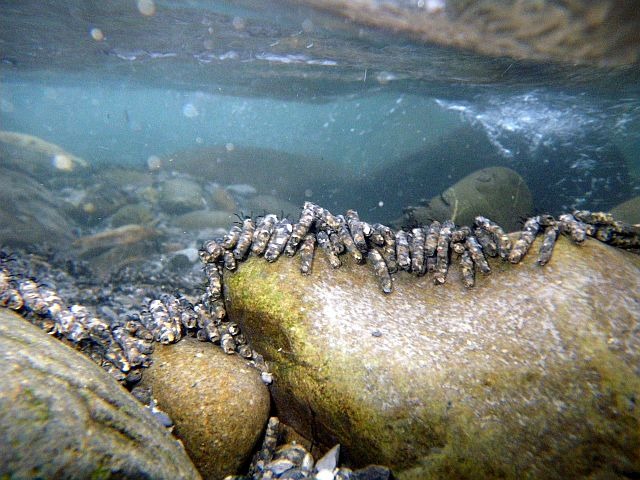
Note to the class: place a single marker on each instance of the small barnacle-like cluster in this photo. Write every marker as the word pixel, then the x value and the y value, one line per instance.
pixel 294 461
pixel 169 318
pixel 118 338
pixel 120 347
pixel 421 250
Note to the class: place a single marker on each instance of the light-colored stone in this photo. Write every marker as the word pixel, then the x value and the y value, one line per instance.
pixel 180 195
pixel 62 416
pixel 533 373
pixel 218 403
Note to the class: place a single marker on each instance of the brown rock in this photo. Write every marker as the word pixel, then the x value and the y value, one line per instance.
pixel 533 373
pixel 218 403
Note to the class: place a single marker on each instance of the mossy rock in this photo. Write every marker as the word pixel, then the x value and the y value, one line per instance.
pixel 62 416
pixel 533 373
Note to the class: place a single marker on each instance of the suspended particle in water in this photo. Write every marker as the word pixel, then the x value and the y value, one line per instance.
pixel 146 7
pixel 154 163
pixel 96 34
pixel 380 204
pixel 230 147
pixel 307 26
pixel 62 162
pixel 308 193
pixel 238 23
pixel 189 110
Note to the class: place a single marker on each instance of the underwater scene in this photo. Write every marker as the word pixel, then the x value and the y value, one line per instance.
pixel 319 239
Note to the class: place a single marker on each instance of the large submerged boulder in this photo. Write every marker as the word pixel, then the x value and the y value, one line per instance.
pixel 496 192
pixel 219 404
pixel 533 373
pixel 62 416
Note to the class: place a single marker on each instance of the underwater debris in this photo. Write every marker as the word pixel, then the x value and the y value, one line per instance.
pixel 293 461
pixel 124 235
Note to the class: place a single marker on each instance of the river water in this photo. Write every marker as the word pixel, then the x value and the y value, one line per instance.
pixel 382 121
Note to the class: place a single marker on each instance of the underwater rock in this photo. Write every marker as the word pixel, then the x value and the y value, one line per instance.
pixel 30 213
pixel 265 169
pixel 601 33
pixel 62 416
pixel 52 155
pixel 94 202
pixel 509 379
pixel 180 195
pixel 204 219
pixel 496 192
pixel 115 237
pixel 221 199
pixel 136 213
pixel 628 211
pixel 219 404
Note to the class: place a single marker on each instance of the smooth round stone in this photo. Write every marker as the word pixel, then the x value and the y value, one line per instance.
pixel 532 373
pixel 62 416
pixel 218 403
pixel 498 193
pixel 179 195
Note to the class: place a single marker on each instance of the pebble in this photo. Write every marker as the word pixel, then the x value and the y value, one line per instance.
pixel 218 404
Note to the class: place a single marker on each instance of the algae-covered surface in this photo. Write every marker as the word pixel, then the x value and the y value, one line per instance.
pixel 62 416
pixel 533 373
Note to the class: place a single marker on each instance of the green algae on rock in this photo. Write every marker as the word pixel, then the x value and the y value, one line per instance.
pixel 62 416
pixel 532 373
pixel 219 404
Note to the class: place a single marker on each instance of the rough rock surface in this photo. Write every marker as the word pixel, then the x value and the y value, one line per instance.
pixel 62 416
pixel 219 404
pixel 498 193
pixel 533 373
